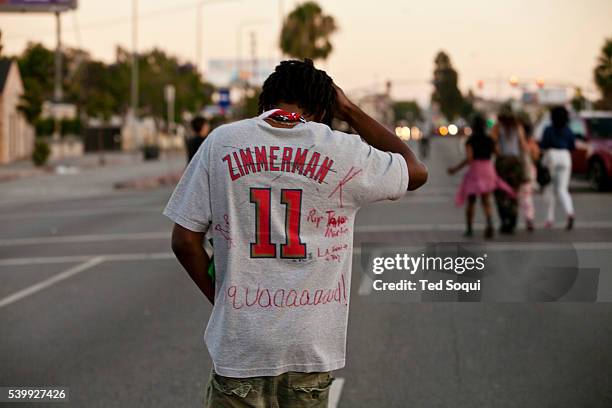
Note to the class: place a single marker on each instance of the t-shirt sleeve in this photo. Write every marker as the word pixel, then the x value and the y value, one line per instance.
pixel 378 175
pixel 189 206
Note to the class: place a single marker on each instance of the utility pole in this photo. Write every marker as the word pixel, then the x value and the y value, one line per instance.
pixel 169 95
pixel 281 20
pixel 57 89
pixel 198 54
pixel 253 56
pixel 134 88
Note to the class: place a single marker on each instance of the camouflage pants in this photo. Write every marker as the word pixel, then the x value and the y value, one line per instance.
pixel 288 390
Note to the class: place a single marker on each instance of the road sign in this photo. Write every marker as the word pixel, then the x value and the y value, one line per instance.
pixel 224 98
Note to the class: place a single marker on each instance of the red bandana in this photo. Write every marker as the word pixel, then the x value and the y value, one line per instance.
pixel 287 117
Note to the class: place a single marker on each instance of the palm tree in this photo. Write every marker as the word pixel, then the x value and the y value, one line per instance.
pixel 603 74
pixel 306 32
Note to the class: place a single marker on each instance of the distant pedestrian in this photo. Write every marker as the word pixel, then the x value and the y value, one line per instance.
pixel 201 128
pixel 481 179
pixel 510 144
pixel 557 142
pixel 425 142
pixel 530 156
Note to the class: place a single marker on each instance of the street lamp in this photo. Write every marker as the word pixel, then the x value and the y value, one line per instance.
pixel 241 26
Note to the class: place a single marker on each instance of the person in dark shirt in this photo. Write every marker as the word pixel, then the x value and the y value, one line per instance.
pixel 201 128
pixel 557 142
pixel 481 178
pixel 558 138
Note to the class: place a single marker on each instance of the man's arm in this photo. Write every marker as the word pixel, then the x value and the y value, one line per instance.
pixel 378 136
pixel 188 248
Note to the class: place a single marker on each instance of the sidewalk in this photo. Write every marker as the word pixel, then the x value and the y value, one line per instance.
pixel 21 182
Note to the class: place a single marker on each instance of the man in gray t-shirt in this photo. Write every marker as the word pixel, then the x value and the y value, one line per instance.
pixel 278 194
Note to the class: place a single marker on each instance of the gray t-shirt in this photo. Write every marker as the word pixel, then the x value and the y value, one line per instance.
pixel 280 204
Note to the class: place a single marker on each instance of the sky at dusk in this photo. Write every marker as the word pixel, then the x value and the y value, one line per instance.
pixel 557 40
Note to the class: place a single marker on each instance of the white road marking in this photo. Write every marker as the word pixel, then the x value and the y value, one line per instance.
pixel 510 246
pixel 334 392
pixel 157 235
pixel 86 238
pixel 143 256
pixel 82 258
pixel 51 281
pixel 365 286
pixel 80 212
pixel 461 227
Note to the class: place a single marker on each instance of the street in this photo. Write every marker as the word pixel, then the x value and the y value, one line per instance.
pixel 93 299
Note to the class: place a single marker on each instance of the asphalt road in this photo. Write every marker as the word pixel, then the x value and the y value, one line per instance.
pixel 92 299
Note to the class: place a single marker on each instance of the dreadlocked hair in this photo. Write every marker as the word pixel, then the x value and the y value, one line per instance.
pixel 299 82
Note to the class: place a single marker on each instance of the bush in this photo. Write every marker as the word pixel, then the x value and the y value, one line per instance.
pixel 41 153
pixel 71 126
pixel 44 127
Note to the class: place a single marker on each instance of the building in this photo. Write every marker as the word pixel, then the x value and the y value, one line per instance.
pixel 16 135
pixel 379 106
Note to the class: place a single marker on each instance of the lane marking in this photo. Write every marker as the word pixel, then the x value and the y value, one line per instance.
pixel 143 256
pixel 158 235
pixel 82 258
pixel 80 212
pixel 461 227
pixel 86 238
pixel 507 246
pixel 30 290
pixel 334 392
pixel 365 286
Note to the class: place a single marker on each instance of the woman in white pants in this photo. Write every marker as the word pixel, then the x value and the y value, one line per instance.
pixel 557 142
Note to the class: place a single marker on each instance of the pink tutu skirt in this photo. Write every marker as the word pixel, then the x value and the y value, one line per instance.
pixel 481 178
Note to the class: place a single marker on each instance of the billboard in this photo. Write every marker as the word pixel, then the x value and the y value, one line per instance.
pixel 225 72
pixel 37 5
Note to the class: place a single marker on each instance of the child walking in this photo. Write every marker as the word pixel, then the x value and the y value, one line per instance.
pixel 530 156
pixel 480 180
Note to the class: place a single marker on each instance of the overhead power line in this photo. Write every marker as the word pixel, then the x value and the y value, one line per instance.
pixel 117 21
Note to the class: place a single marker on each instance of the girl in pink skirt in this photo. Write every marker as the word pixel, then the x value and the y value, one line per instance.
pixel 480 180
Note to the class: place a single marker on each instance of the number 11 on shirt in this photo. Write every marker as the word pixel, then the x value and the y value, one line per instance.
pixel 263 247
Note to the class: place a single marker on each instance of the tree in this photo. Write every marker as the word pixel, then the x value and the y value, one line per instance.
pixel 36 69
pixel 158 69
pixel 579 102
pixel 603 75
pixel 306 32
pixel 101 90
pixel 92 90
pixel 446 93
pixel 408 111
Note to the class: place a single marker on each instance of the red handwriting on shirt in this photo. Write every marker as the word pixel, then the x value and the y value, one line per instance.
pixel 225 230
pixel 334 220
pixel 332 253
pixel 240 297
pixel 349 176
pixel 335 225
pixel 314 217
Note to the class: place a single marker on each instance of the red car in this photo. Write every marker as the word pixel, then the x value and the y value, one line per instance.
pixel 593 154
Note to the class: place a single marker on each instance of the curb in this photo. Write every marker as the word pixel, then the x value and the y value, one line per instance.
pixel 149 182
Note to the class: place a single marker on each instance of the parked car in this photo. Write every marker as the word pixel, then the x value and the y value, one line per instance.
pixel 593 154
